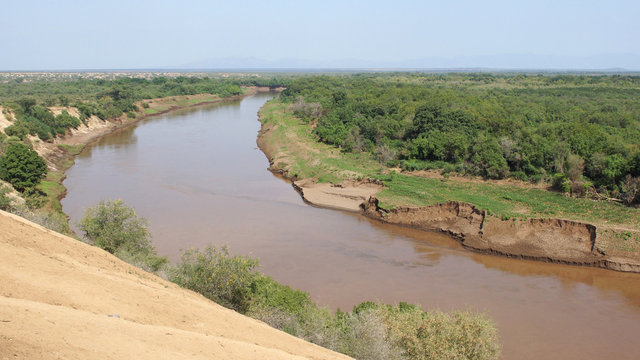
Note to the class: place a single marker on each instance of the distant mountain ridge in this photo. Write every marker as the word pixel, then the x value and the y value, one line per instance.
pixel 604 62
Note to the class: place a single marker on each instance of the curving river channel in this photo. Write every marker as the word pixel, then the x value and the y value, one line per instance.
pixel 199 179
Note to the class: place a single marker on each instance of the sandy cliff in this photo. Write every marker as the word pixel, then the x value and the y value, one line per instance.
pixel 61 298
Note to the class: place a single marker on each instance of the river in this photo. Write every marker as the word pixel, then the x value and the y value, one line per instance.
pixel 198 177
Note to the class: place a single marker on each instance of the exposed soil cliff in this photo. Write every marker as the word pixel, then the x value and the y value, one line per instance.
pixel 554 240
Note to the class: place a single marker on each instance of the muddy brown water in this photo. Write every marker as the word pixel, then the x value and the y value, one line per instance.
pixel 199 179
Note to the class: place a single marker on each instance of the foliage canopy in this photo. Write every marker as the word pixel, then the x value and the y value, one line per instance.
pixel 22 167
pixel 493 125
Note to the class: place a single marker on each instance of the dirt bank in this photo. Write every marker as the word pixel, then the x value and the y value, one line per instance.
pixel 347 196
pixel 61 298
pixel 290 148
pixel 553 240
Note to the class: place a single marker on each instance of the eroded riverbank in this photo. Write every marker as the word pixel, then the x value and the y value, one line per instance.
pixel 542 239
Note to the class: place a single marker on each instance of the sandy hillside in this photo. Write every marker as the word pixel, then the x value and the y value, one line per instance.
pixel 60 298
pixel 4 122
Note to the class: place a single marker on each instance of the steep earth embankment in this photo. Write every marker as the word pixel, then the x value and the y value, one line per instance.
pixel 61 298
pixel 554 240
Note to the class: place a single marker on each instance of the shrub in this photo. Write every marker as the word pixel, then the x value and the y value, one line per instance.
pixel 51 220
pixel 113 226
pixel 292 311
pixel 630 189
pixel 561 183
pixel 364 335
pixel 34 198
pixel 65 121
pixel 437 335
pixel 519 175
pixel 5 201
pixel 22 167
pixel 218 276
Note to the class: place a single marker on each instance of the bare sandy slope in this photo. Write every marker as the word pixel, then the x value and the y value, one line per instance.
pixel 4 122
pixel 347 196
pixel 60 298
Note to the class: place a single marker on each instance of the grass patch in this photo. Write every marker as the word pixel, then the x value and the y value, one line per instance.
pixel 503 200
pixel 53 188
pixel 297 151
pixel 72 149
pixel 624 241
pixel 155 110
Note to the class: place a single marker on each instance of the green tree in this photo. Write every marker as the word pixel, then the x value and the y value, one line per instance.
pixel 22 167
pixel 115 227
pixel 214 273
pixel 487 159
pixel 112 225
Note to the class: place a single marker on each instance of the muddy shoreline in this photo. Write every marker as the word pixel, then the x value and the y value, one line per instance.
pixel 549 240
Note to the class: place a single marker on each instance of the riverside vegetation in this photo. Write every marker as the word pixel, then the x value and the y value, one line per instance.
pixel 520 147
pixel 369 331
pixel 580 132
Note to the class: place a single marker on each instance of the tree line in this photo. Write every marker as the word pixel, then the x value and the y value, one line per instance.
pixel 580 132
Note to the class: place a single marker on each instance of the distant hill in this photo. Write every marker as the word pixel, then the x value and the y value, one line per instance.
pixel 605 62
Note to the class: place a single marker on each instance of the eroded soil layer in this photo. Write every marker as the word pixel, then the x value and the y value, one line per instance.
pixel 554 240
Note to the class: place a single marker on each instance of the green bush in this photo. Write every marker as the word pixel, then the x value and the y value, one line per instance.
pixel 22 167
pixel 5 201
pixel 561 182
pixel 112 225
pixel 437 335
pixel 217 275
pixel 34 198
pixel 365 335
pixel 291 311
pixel 115 227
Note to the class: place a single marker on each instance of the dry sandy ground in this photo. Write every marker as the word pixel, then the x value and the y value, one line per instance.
pixel 346 196
pixel 63 299
pixel 4 122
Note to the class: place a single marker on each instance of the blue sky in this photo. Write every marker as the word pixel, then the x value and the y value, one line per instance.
pixel 69 34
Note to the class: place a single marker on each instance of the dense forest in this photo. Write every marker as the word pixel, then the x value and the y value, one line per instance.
pixel 580 132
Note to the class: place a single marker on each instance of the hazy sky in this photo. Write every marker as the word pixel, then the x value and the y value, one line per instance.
pixel 91 34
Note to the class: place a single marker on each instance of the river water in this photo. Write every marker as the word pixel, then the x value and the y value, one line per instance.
pixel 198 177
